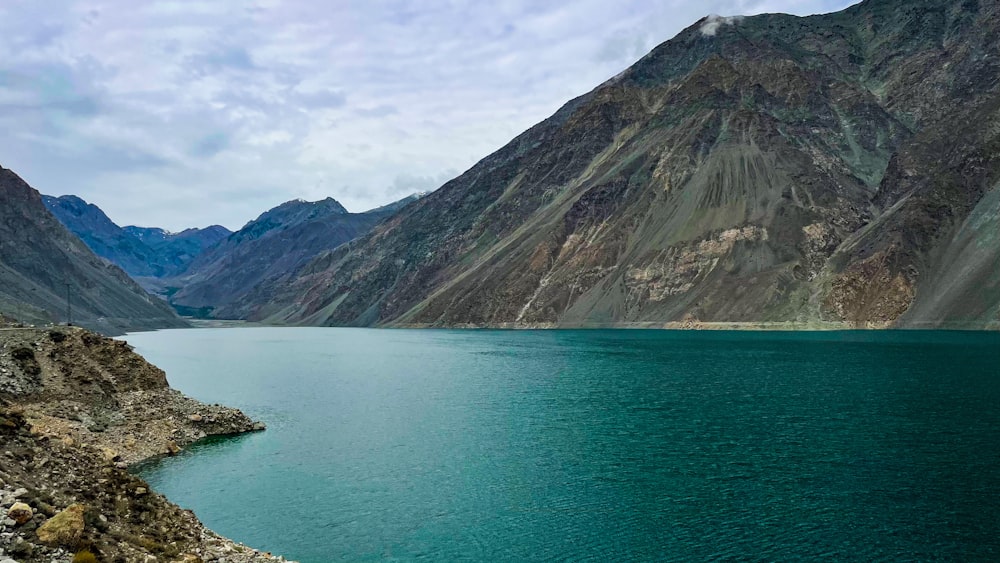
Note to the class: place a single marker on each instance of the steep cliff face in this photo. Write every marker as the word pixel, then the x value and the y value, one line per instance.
pixel 835 168
pixel 142 252
pixel 273 246
pixel 42 265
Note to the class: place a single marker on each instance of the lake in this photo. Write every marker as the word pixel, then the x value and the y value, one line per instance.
pixel 593 445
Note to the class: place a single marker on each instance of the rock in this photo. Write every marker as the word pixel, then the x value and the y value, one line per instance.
pixel 259 426
pixel 8 561
pixel 195 418
pixel 173 448
pixel 110 455
pixel 139 491
pixel 63 529
pixel 19 493
pixel 20 513
pixel 21 547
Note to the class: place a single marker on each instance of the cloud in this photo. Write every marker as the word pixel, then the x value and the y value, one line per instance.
pixel 381 110
pixel 221 59
pixel 406 184
pixel 181 114
pixel 624 45
pixel 210 145
pixel 53 88
pixel 321 98
pixel 713 22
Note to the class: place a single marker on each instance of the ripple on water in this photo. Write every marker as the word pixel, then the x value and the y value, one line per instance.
pixel 593 445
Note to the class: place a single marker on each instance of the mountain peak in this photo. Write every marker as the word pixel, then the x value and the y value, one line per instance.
pixel 293 212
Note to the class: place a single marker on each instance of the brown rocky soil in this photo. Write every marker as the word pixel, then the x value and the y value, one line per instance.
pixel 76 410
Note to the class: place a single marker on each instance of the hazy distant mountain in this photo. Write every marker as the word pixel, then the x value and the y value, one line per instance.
pixel 268 248
pixel 41 263
pixel 187 243
pixel 840 167
pixel 142 252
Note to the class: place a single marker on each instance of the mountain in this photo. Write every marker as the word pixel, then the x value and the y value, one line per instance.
pixel 142 252
pixel 100 233
pixel 839 168
pixel 177 250
pixel 42 263
pixel 268 248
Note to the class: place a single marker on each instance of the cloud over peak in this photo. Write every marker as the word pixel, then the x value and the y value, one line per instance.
pixel 713 22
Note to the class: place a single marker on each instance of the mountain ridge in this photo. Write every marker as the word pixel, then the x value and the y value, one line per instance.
pixel 48 274
pixel 768 172
pixel 142 252
pixel 270 247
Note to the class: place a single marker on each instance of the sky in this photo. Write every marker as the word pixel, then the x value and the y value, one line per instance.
pixel 177 113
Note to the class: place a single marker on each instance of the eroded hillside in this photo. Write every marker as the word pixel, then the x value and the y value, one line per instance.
pixel 837 169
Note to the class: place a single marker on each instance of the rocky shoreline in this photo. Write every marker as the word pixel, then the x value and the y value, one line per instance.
pixel 76 410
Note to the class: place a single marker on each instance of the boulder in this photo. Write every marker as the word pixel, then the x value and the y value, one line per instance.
pixel 110 455
pixel 63 529
pixel 20 513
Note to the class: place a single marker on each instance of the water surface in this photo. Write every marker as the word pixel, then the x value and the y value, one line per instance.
pixel 409 445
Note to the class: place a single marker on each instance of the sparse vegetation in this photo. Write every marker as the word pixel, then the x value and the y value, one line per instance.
pixel 85 556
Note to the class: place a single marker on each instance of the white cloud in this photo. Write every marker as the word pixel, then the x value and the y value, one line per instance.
pixel 713 22
pixel 179 114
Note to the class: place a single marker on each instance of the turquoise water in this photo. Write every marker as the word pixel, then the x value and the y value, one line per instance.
pixel 408 445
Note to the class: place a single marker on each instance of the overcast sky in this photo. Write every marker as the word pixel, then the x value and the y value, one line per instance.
pixel 179 113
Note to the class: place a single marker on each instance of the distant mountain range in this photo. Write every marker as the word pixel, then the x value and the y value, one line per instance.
pixel 837 170
pixel 265 251
pixel 48 275
pixel 201 272
pixel 142 252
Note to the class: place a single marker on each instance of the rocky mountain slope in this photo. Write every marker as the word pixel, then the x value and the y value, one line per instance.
pixel 140 251
pixel 270 247
pixel 41 263
pixel 839 168
pixel 76 409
